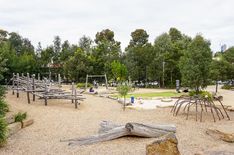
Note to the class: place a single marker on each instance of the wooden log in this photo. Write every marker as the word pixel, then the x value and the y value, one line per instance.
pixel 110 131
pixel 221 135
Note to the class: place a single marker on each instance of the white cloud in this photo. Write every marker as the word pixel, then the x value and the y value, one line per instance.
pixel 41 20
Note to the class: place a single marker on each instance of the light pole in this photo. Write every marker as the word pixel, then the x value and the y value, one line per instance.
pixel 163 72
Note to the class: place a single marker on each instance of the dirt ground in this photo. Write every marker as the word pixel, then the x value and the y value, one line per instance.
pixel 60 120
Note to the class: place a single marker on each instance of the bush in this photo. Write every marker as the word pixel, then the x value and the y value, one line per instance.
pixel 82 85
pixel 204 94
pixel 3 131
pixel 228 87
pixel 3 107
pixel 19 117
pixel 2 91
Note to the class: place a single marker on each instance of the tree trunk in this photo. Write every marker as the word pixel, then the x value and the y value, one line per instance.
pixel 110 131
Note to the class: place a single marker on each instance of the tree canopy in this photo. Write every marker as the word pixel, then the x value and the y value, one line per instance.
pixel 172 56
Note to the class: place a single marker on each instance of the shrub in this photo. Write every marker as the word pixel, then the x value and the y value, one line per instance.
pixel 2 91
pixel 204 94
pixel 3 131
pixel 3 107
pixel 123 90
pixel 19 117
pixel 82 85
pixel 228 87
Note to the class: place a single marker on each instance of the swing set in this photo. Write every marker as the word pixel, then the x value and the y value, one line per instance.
pixel 95 76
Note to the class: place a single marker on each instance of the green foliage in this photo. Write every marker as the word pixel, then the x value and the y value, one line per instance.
pixel 82 85
pixel 138 55
pixel 3 131
pixel 3 107
pixel 203 94
pixel 228 87
pixel 123 89
pixel 195 64
pixel 147 95
pixel 119 70
pixel 19 117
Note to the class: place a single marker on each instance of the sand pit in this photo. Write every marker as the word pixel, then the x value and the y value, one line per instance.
pixel 151 104
pixel 59 120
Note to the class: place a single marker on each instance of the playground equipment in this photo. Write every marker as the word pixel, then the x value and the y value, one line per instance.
pixel 95 76
pixel 44 89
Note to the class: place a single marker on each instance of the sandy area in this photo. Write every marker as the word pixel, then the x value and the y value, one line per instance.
pixel 59 120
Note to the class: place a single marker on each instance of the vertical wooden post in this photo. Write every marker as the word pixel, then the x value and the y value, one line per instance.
pixel 46 91
pixel 17 91
pixel 50 76
pixel 106 82
pixel 28 87
pixel 33 86
pixel 22 74
pixel 59 80
pixel 76 102
pixel 38 77
pixel 13 84
pixel 86 83
pixel 72 91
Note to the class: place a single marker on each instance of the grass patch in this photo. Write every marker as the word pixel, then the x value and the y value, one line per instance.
pixel 147 95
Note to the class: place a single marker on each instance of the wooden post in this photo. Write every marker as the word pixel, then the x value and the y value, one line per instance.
pixel 22 74
pixel 38 77
pixel 86 83
pixel 33 86
pixel 46 91
pixel 72 91
pixel 59 80
pixel 106 82
pixel 50 76
pixel 17 91
pixel 28 88
pixel 13 84
pixel 76 102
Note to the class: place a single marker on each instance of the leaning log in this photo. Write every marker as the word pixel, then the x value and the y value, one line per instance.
pixel 110 131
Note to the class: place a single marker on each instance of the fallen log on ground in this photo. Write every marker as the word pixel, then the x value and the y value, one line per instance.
pixel 110 131
pixel 221 135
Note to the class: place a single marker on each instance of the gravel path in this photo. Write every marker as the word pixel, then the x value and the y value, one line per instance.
pixel 59 120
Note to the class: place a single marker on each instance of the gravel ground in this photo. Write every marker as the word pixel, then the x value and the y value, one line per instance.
pixel 59 120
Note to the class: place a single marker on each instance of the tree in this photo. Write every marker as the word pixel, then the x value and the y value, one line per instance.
pixel 138 55
pixel 57 49
pixel 119 70
pixel 229 57
pixel 105 52
pixel 3 35
pixel 85 43
pixel 77 66
pixel 175 34
pixel 195 64
pixel 123 90
pixel 162 51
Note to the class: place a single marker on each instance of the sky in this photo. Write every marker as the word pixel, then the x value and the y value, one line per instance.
pixel 41 20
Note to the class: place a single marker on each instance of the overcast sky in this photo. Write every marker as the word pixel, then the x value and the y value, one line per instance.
pixel 41 20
